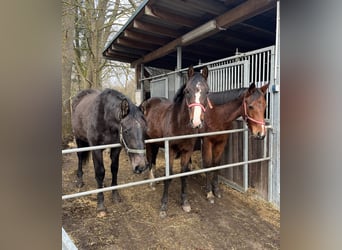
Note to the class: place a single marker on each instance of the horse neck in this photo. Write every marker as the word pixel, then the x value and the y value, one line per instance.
pixel 180 114
pixel 229 111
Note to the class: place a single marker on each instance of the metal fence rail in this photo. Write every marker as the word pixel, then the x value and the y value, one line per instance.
pixel 167 175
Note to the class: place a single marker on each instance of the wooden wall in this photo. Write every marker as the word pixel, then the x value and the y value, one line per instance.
pixel 257 172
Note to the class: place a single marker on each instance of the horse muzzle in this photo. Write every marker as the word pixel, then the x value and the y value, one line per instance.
pixel 196 124
pixel 139 163
pixel 139 169
pixel 259 137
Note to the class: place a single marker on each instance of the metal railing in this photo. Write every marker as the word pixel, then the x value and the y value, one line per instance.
pixel 167 172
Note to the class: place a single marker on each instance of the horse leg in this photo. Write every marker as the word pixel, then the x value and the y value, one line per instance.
pixel 82 158
pixel 217 155
pixel 185 158
pixel 164 199
pixel 99 176
pixel 207 161
pixel 114 156
pixel 151 154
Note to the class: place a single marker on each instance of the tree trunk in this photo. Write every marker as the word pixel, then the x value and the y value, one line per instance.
pixel 68 33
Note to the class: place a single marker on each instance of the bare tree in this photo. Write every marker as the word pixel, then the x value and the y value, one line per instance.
pixel 87 25
pixel 96 22
pixel 68 31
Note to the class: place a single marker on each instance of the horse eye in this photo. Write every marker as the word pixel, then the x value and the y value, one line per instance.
pixel 250 106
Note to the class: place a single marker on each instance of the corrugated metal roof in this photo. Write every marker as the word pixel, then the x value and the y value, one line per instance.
pixel 157 23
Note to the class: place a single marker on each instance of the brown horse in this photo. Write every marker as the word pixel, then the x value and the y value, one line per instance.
pixel 249 103
pixel 182 116
pixel 108 117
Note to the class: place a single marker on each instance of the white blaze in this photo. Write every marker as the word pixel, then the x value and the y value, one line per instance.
pixel 197 110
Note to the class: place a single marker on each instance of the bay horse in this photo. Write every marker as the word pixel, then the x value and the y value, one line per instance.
pixel 183 115
pixel 108 117
pixel 228 105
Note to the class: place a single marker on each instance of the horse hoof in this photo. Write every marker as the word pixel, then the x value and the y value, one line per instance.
pixel 162 214
pixel 217 193
pixel 101 210
pixel 210 197
pixel 101 214
pixel 153 186
pixel 79 184
pixel 116 198
pixel 186 208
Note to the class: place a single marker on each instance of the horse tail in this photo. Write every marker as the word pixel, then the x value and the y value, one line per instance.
pixel 77 99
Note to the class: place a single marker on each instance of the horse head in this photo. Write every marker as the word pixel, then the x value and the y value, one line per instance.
pixel 254 106
pixel 133 134
pixel 195 93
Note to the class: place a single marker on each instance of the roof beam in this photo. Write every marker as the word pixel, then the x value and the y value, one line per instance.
pixel 128 50
pixel 136 36
pixel 212 7
pixel 134 44
pixel 155 29
pixel 240 13
pixel 169 17
pixel 243 12
pixel 117 56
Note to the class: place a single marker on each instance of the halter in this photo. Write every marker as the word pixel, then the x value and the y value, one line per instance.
pixel 200 105
pixel 247 117
pixel 130 150
pixel 197 104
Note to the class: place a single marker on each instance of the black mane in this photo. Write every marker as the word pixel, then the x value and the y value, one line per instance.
pixel 225 96
pixel 76 100
pixel 179 95
pixel 114 94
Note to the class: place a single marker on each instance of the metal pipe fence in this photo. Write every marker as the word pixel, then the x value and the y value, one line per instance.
pixel 167 175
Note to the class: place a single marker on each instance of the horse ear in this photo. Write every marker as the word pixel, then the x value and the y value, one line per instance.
pixel 191 71
pixel 264 88
pixel 142 107
pixel 124 108
pixel 250 89
pixel 205 72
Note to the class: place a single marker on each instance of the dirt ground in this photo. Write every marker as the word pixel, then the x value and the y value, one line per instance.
pixel 236 221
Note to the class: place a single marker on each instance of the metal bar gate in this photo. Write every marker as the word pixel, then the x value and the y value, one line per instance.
pixel 167 174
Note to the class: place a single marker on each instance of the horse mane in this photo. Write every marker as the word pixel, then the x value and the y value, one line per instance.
pixel 225 96
pixel 76 99
pixel 179 95
pixel 134 110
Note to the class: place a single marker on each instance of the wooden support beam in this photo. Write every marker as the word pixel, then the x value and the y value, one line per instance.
pixel 162 51
pixel 212 7
pixel 135 44
pixel 119 57
pixel 169 17
pixel 143 37
pixel 155 29
pixel 130 51
pixel 240 13
pixel 137 76
pixel 243 12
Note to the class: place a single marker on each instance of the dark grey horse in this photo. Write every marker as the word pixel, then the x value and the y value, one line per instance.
pixel 108 117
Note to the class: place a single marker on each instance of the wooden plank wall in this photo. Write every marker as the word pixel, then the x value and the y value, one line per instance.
pixel 257 172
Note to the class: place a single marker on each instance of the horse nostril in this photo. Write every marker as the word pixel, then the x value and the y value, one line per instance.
pixel 260 136
pixel 137 170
